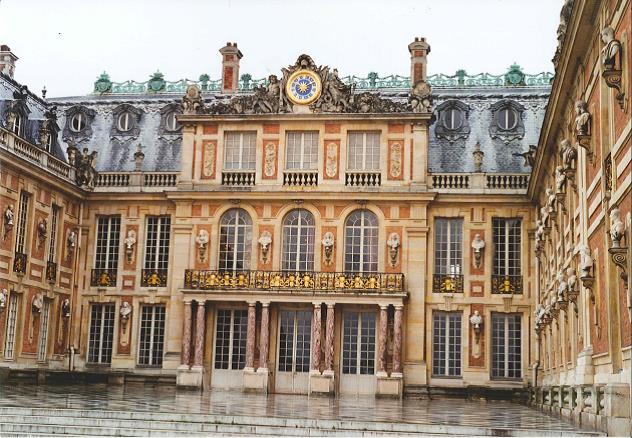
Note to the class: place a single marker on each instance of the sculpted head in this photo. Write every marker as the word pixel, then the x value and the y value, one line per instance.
pixel 607 34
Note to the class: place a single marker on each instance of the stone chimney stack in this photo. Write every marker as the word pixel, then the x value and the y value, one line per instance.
pixel 7 61
pixel 230 67
pixel 419 50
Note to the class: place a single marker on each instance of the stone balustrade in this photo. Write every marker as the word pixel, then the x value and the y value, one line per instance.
pixel 35 155
pixel 135 181
pixel 363 179
pixel 300 178
pixel 240 178
pixel 479 182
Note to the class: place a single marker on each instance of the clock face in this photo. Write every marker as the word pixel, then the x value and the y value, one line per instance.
pixel 303 87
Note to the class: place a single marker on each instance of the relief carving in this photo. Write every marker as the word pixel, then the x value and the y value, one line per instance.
pixel 395 168
pixel 331 161
pixel 270 160
pixel 208 167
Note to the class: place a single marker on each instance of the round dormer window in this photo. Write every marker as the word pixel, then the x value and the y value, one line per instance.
pixel 124 122
pixel 507 119
pixel 77 122
pixel 452 119
pixel 171 123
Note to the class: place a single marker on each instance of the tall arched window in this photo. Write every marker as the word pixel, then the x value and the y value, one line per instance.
pixel 235 240
pixel 298 241
pixel 361 239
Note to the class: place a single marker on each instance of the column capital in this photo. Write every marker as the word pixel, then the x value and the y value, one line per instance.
pixel 384 306
pixel 330 305
pixel 398 306
pixel 265 303
pixel 252 303
pixel 317 303
pixel 187 302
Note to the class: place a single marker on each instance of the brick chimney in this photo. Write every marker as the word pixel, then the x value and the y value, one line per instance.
pixel 419 50
pixel 230 67
pixel 7 61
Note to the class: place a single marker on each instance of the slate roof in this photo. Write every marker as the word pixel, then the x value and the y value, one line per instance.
pixel 163 149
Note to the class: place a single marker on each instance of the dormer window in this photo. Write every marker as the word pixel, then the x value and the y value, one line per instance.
pixel 17 124
pixel 506 122
pixel 507 119
pixel 78 122
pixel 171 123
pixel 124 123
pixel 452 121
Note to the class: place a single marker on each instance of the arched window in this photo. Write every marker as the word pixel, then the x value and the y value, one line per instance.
pixel 298 241
pixel 361 239
pixel 235 240
pixel 171 123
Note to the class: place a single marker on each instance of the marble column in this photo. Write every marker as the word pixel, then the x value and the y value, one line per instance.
pixel 185 353
pixel 264 344
pixel 200 323
pixel 329 340
pixel 250 340
pixel 397 340
pixel 381 370
pixel 316 330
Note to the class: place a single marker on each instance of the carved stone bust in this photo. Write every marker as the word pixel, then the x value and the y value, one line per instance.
pixel 582 119
pixel 617 228
pixel 611 49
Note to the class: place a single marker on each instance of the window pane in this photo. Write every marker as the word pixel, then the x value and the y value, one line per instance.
pixel 507 244
pixel 448 246
pixel 298 241
pixel 361 241
pixel 235 240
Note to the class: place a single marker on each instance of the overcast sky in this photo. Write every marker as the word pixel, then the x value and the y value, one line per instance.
pixel 65 44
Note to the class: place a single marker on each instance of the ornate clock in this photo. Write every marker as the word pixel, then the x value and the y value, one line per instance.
pixel 303 87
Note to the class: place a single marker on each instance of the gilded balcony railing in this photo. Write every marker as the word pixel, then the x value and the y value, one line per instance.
pixel 103 278
pixel 19 263
pixel 153 277
pixel 506 284
pixel 447 283
pixel 376 282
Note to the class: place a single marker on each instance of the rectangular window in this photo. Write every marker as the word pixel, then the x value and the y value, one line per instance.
pixel 101 334
pixel 448 247
pixel 12 316
pixel 52 245
pixel 507 247
pixel 240 150
pixel 157 243
pixel 506 347
pixel 363 151
pixel 358 343
pixel 152 335
pixel 230 339
pixel 43 335
pixel 21 223
pixel 446 344
pixel 302 151
pixel 107 248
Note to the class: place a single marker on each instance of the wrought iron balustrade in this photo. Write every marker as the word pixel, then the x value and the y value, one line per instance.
pixel 369 178
pixel 506 284
pixel 51 272
pixel 19 263
pixel 103 277
pixel 240 178
pixel 294 281
pixel 447 283
pixel 154 277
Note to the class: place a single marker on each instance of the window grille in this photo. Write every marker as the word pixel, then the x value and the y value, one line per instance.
pixel 446 344
pixel 101 335
pixel 152 335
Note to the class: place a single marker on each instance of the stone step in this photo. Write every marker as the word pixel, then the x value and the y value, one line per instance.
pixel 144 423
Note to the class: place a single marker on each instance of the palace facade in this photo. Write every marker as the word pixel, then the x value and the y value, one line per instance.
pixel 311 233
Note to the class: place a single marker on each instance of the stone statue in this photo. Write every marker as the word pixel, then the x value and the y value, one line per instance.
pixel 611 50
pixel 617 228
pixel 571 280
pixel 561 287
pixel 393 244
pixel 582 120
pixel 71 242
pixel 544 214
pixel 202 240
pixel 130 241
pixel 478 245
pixel 337 96
pixel 420 99
pixel 3 299
pixel 568 154
pixel 585 261
pixel 37 303
pixel 125 311
pixel 265 240
pixel 8 220
pixel 560 180
pixel 551 199
pixel 42 230
pixel 84 164
pixel 192 102
pixel 529 156
pixel 65 308
pixel 539 312
pixel 328 245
